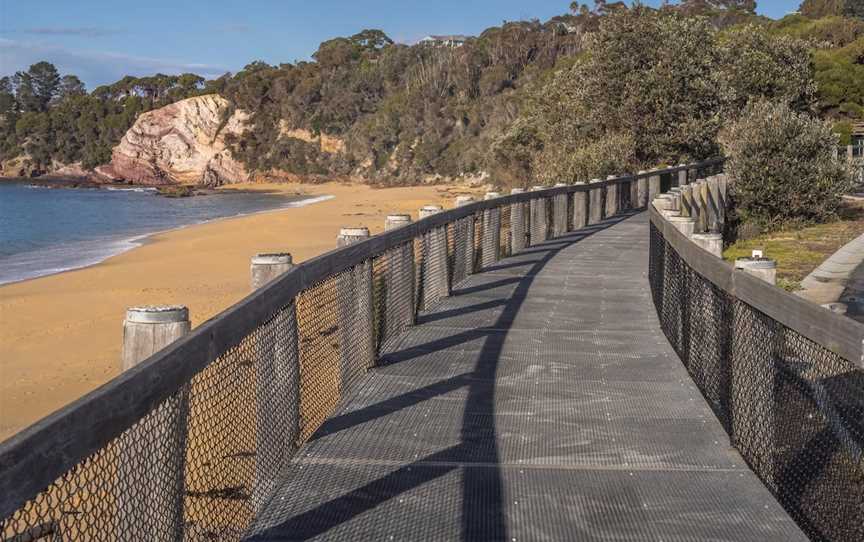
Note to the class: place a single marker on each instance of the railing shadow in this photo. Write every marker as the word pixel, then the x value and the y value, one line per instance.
pixel 476 454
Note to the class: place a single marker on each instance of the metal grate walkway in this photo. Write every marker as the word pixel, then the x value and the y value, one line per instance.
pixel 540 401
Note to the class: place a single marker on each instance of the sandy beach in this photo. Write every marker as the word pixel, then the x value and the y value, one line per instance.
pixel 60 336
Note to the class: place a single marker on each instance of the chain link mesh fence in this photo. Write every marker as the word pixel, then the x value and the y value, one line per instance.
pixel 792 407
pixel 203 460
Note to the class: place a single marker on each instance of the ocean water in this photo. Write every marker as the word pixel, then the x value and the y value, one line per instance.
pixel 49 230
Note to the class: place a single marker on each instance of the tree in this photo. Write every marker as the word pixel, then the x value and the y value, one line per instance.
pixel 783 167
pixel 70 86
pixel 36 87
pixel 816 9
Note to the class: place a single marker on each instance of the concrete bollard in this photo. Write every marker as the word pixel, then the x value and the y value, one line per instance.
pixel 684 224
pixel 391 222
pixel 642 189
pixel 277 383
pixel 357 336
pixel 267 266
pixel 682 175
pixel 518 224
pixel 156 447
pixel 595 202
pixel 712 242
pixel 580 209
pixel 611 197
pixel 464 200
pixel 653 187
pixel 539 218
pixel 762 268
pixel 433 281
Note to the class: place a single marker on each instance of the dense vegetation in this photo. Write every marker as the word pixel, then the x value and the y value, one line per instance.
pixel 598 90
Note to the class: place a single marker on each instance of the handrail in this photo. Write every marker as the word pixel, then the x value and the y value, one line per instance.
pixel 835 332
pixel 34 458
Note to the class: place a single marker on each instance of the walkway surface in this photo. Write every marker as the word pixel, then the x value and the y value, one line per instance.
pixel 540 402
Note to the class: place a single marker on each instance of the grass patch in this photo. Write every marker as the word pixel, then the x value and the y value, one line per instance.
pixel 799 251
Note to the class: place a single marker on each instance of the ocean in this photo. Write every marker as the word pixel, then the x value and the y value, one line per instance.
pixel 49 230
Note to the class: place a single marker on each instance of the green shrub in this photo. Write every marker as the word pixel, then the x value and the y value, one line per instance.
pixel 783 167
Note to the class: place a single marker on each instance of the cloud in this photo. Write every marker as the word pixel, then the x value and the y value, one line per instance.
pixel 82 31
pixel 95 67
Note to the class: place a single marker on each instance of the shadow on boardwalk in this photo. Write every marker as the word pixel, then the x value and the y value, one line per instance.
pixel 416 452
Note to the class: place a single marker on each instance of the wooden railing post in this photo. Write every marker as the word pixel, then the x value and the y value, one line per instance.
pixel 152 459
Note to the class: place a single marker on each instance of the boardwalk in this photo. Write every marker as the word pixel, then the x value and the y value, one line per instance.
pixel 540 401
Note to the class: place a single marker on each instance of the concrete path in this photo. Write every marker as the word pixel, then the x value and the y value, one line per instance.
pixel 828 282
pixel 540 402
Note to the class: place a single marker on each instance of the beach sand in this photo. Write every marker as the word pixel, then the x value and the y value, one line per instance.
pixel 60 336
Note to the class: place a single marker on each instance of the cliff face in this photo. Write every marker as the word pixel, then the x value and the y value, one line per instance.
pixel 180 143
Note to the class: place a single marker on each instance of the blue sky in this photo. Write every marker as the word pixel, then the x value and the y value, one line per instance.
pixel 101 40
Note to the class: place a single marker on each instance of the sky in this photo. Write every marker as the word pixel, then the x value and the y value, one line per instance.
pixel 103 40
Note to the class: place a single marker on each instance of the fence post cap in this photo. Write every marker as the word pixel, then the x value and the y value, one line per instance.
pixel 517 190
pixel 538 187
pixel 596 180
pixel 360 231
pixel 492 195
pixel 560 184
pixel 272 258
pixel 157 314
pixel 464 200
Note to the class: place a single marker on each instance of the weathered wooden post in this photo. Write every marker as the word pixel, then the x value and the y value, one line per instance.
pixel 762 268
pixel 712 242
pixel 580 209
pixel 463 256
pixel 518 224
pixel 653 186
pixel 611 197
pixel 559 212
pixel 491 245
pixel 642 189
pixel 699 210
pixel 153 452
pixel 539 218
pixel 595 203
pixel 687 200
pixel 397 307
pixel 277 382
pixel 712 193
pixel 356 322
pixel 434 280
pixel 682 175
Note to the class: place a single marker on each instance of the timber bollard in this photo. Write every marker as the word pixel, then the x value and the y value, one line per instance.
pixel 356 328
pixel 642 190
pixel 518 226
pixel 595 202
pixel 464 200
pixel 611 197
pixel 653 187
pixel 687 201
pixel 539 218
pixel 277 383
pixel 560 205
pixel 463 238
pixel 433 281
pixel 580 209
pixel 396 309
pixel 491 239
pixel 682 175
pixel 154 450
pixel 712 242
pixel 762 268
pixel 391 222
pixel 715 215
pixel 684 224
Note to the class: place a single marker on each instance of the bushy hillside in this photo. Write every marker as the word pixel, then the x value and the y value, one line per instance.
pixel 400 114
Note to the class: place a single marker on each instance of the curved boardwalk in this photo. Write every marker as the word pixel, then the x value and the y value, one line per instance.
pixel 540 402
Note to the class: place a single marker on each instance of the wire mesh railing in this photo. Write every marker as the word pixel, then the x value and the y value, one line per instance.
pixel 190 443
pixel 783 376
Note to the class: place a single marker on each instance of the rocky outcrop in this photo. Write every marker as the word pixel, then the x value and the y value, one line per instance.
pixel 327 144
pixel 183 142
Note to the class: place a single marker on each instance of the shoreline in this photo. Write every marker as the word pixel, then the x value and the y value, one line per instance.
pixel 62 333
pixel 140 239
